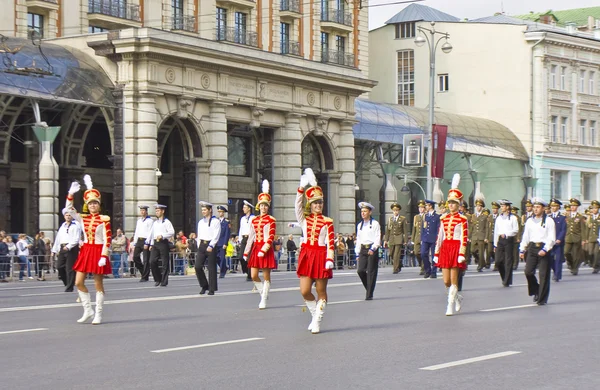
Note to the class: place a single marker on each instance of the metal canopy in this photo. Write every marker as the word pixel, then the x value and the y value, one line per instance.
pixel 387 123
pixel 52 72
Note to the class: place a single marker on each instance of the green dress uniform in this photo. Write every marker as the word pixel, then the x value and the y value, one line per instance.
pixel 593 227
pixel 490 237
pixel 478 233
pixel 574 239
pixel 395 238
pixel 416 239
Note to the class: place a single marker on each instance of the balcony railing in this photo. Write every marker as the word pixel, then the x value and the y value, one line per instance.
pixel 290 47
pixel 290 5
pixel 337 16
pixel 236 35
pixel 115 8
pixel 337 57
pixel 183 23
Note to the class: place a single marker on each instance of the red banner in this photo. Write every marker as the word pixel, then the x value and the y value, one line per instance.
pixel 440 132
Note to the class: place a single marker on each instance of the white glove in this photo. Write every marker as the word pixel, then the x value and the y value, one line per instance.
pixel 435 259
pixel 75 187
pixel 245 258
pixel 303 181
pixel 102 262
pixel 260 254
pixel 329 264
pixel 461 259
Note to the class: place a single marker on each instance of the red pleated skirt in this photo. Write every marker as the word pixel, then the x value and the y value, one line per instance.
pixel 448 257
pixel 88 258
pixel 311 262
pixel 267 261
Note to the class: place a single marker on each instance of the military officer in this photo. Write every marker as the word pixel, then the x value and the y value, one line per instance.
pixel 395 236
pixel 515 211
pixel 558 251
pixel 593 229
pixel 490 238
pixel 478 233
pixel 429 231
pixel 574 239
pixel 416 234
pixel 223 240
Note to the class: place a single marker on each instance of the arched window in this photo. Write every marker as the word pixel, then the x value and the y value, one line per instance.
pixel 311 158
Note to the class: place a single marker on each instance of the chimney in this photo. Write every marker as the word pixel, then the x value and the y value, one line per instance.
pixel 590 24
pixel 571 27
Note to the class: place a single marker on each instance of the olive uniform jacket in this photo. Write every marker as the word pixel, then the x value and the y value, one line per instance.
pixel 478 227
pixel 395 230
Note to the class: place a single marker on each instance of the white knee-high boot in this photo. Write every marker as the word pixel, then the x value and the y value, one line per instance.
pixel 258 287
pixel 265 295
pixel 451 298
pixel 312 308
pixel 99 306
pixel 88 312
pixel 321 304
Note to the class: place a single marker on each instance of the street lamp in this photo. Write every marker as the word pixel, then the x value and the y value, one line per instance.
pixel 405 188
pixel 432 43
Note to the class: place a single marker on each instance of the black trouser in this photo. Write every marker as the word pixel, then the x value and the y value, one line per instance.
pixel 243 262
pixel 542 263
pixel 461 275
pixel 504 259
pixel 143 267
pixel 201 259
pixel 65 261
pixel 4 266
pixel 368 265
pixel 160 253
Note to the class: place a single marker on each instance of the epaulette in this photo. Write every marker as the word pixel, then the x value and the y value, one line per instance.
pixel 273 218
pixel 105 218
pixel 327 219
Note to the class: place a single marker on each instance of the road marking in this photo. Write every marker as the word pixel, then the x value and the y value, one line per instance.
pixel 208 345
pixel 471 360
pixel 24 331
pixel 339 302
pixel 510 307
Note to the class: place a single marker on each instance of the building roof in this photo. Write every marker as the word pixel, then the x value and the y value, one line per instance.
pixel 502 19
pixel 388 123
pixel 418 12
pixel 579 16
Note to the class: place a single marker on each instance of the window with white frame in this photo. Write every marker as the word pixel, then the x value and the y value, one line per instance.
pixel 553 71
pixel 563 78
pixel 406 77
pixel 443 82
pixel 553 129
pixel 593 134
pixel 582 81
pixel 564 129
pixel 592 83
pixel 559 181
pixel 405 30
pixel 589 183
pixel 582 132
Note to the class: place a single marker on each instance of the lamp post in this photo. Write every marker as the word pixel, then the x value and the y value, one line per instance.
pixel 429 36
pixel 406 189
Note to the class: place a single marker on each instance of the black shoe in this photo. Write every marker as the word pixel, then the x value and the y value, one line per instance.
pixel 479 270
pixel 233 272
pixel 395 272
pixel 427 276
pixel 596 271
pixel 143 280
pixel 433 276
pixel 422 273
pixel 248 279
pixel 221 276
pixel 156 284
pixel 541 303
pixel 368 298
pixel 536 298
pixel 211 293
pixel 68 290
pixel 203 290
pixel 163 285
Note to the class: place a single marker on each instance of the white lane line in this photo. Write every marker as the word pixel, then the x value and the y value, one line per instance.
pixel 42 294
pixel 339 302
pixel 208 345
pixel 471 360
pixel 510 307
pixel 24 330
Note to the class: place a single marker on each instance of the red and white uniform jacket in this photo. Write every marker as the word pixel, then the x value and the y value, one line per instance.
pixel 317 229
pixel 262 232
pixel 96 228
pixel 453 227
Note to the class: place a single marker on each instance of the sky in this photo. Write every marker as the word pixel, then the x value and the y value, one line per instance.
pixel 473 9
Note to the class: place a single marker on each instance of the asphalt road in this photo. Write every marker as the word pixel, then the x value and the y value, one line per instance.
pixel 400 340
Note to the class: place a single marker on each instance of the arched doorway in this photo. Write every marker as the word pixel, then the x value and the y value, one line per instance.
pixel 316 154
pixel 178 148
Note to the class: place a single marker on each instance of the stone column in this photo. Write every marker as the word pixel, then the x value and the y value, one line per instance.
pixel 48 181
pixel 333 195
pixel 217 154
pixel 287 163
pixel 140 149
pixel 346 202
pixel 118 172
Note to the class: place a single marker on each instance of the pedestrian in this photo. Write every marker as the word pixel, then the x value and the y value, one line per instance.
pixel 230 253
pixel 291 252
pixel 539 236
pixel 192 249
pixel 161 234
pixel 451 246
pixel 209 231
pixel 340 249
pixel 395 236
pixel 39 252
pixel 593 228
pixel 93 255
pixel 119 248
pixel 4 260
pixel 368 241
pixel 506 229
pixel 574 238
pixel 181 248
pixel 141 240
pixel 259 248
pixel 315 263
pixel 429 231
pixel 12 252
pixel 416 235
pixel 223 240
pixel 23 253
pixel 351 244
pixel 66 248
pixel 244 232
pixel 478 233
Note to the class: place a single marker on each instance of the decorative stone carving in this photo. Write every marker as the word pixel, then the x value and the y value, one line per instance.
pixel 205 81
pixel 310 98
pixel 170 75
pixel 321 126
pixel 257 113
pixel 262 90
pixel 183 107
pixel 337 103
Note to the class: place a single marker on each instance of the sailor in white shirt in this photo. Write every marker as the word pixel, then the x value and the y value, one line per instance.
pixel 539 236
pixel 505 230
pixel 141 240
pixel 162 231
pixel 245 226
pixel 66 248
pixel 368 241
pixel 209 229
